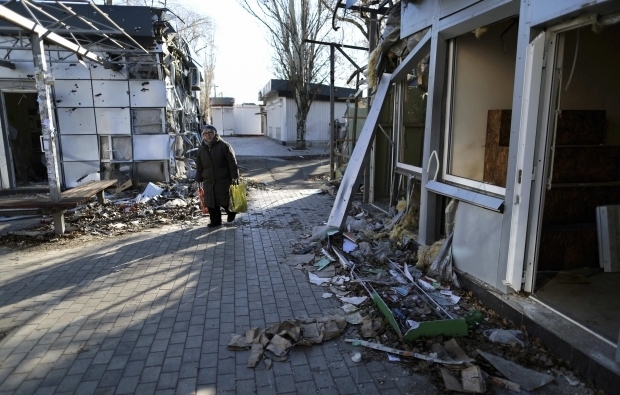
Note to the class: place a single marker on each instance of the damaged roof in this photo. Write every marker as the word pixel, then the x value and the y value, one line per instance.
pixel 137 21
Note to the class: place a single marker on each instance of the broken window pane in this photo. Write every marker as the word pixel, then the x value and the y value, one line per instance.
pixel 121 148
pixel 104 147
pixel 483 72
pixel 151 171
pixel 412 133
pixel 122 172
pixel 115 148
pixel 143 67
pixel 147 121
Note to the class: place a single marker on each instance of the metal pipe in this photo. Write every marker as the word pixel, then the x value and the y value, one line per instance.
pixel 332 170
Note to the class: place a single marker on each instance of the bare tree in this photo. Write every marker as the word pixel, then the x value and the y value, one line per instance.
pixel 290 23
pixel 208 74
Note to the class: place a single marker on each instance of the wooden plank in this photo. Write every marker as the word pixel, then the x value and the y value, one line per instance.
pixel 70 199
pixel 496 147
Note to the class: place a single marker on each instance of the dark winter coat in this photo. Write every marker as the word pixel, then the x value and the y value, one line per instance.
pixel 216 166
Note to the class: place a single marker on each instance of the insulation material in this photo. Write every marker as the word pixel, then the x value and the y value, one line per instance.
pixel 147 121
pixel 76 121
pixel 152 147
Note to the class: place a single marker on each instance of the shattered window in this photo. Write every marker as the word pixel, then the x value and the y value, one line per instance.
pixel 482 73
pixel 147 120
pixel 115 148
pixel 143 67
pixel 411 139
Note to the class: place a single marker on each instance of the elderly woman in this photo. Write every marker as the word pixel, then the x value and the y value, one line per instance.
pixel 216 168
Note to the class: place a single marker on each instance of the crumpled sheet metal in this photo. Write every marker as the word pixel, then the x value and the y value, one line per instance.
pixel 276 341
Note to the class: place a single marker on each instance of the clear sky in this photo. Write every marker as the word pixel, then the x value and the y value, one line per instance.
pixel 243 57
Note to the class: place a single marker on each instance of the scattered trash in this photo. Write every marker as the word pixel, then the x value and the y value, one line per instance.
pixel 275 341
pixel 526 378
pixel 357 357
pixel 402 353
pixel 316 280
pixel 504 336
pixel 150 192
pixel 355 300
pixel 327 295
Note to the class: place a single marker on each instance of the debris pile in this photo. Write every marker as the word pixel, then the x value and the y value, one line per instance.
pixel 274 343
pixel 128 211
pixel 403 301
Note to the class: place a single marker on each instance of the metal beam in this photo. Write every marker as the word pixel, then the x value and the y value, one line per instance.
pixel 36 28
pixel 7 64
pixel 415 56
pixel 337 45
pixel 379 11
pixel 352 176
pixel 42 77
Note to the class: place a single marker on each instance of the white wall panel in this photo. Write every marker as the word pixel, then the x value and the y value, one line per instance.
pixel 147 93
pixel 151 146
pixel 76 148
pixel 247 120
pixel 22 70
pixel 73 93
pixel 83 171
pixel 113 120
pixel 110 93
pixel 70 71
pixel 76 121
pixel 98 72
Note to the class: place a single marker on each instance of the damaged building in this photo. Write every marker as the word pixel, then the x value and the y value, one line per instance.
pixel 504 115
pixel 128 119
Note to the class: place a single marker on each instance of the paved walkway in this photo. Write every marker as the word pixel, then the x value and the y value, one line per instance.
pixel 262 146
pixel 153 312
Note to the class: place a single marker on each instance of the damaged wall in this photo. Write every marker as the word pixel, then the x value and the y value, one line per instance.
pixel 477 253
pixel 93 104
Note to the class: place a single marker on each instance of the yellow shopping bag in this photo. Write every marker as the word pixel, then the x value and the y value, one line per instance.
pixel 238 202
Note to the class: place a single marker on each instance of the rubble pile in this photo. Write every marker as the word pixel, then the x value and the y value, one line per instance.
pixel 128 211
pixel 403 302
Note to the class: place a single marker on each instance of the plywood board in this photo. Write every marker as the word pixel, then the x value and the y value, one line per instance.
pixel 496 147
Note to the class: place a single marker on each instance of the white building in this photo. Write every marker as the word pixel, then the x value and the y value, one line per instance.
pixel 281 113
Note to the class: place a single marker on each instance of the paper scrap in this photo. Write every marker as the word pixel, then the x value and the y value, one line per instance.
pixel 393 358
pixel 348 246
pixel 327 295
pixel 316 280
pixel 355 300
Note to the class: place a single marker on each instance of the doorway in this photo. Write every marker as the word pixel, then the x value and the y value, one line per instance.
pixel 582 175
pixel 25 159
